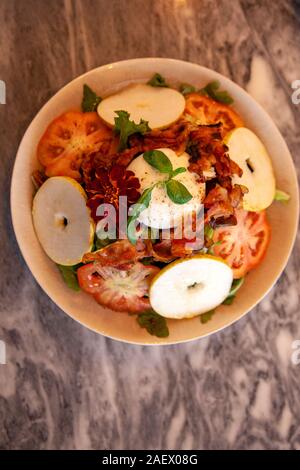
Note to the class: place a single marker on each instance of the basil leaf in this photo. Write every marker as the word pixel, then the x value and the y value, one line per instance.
pixel 236 285
pixel 212 90
pixel 205 317
pixel 154 323
pixel 158 81
pixel 144 200
pixel 125 127
pixel 158 160
pixel 185 89
pixel 138 207
pixel 281 196
pixel 177 192
pixel 176 172
pixel 90 100
pixel 69 276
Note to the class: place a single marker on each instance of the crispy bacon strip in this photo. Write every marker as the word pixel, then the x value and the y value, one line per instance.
pixel 221 202
pixel 120 254
pixel 175 137
pixel 125 157
pixel 38 178
pixel 208 152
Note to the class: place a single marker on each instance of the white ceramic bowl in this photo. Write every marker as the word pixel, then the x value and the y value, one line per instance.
pixel 81 306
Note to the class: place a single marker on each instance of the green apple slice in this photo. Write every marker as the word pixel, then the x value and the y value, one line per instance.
pixel 190 286
pixel 247 150
pixel 159 106
pixel 62 220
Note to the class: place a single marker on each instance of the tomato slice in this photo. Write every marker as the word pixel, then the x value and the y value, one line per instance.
pixel 244 245
pixel 68 139
pixel 209 111
pixel 122 290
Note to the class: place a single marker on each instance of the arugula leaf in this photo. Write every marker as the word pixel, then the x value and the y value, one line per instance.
pixel 69 276
pixel 281 196
pixel 142 204
pixel 229 300
pixel 147 260
pixel 177 192
pixel 236 285
pixel 125 127
pixel 101 243
pixel 212 90
pixel 185 89
pixel 205 317
pixel 210 250
pixel 90 100
pixel 158 81
pixel 158 160
pixel 208 231
pixel 154 323
pixel 179 170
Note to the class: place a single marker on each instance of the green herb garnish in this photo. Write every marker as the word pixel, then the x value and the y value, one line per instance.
pixel 101 243
pixel 212 90
pixel 176 172
pixel 208 231
pixel 281 196
pixel 185 89
pixel 229 300
pixel 159 161
pixel 154 323
pixel 210 250
pixel 158 81
pixel 125 127
pixel 177 192
pixel 90 99
pixel 69 275
pixel 205 317
pixel 236 285
pixel 136 210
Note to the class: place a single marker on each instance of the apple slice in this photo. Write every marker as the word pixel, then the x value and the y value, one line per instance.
pixel 247 150
pixel 62 220
pixel 159 106
pixel 190 286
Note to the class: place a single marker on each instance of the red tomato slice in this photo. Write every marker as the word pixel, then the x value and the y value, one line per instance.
pixel 209 111
pixel 68 139
pixel 244 245
pixel 122 290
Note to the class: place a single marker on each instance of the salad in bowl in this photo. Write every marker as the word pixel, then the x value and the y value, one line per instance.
pixel 142 200
pixel 153 199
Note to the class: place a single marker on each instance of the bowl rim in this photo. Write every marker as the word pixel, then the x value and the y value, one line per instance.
pixel 26 255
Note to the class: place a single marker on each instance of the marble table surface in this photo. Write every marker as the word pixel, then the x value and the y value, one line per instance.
pixel 64 387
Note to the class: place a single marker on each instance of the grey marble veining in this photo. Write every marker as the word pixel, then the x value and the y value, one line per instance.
pixel 66 387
